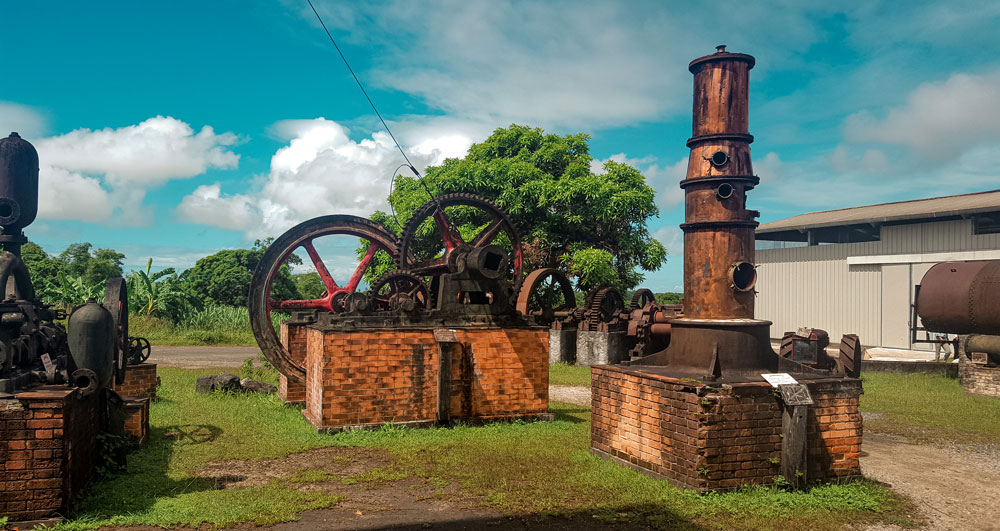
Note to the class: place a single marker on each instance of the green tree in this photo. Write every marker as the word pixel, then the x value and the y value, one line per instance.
pixel 157 293
pixel 44 268
pixel 93 266
pixel 309 285
pixel 224 277
pixel 592 226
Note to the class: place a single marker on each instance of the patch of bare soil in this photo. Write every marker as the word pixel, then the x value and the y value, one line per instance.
pixel 571 394
pixel 954 488
pixel 410 503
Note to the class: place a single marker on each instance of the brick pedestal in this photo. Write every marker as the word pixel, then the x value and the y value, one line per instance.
pixel 136 416
pixel 367 378
pixel 713 437
pixel 977 377
pixel 293 338
pixel 140 381
pixel 48 443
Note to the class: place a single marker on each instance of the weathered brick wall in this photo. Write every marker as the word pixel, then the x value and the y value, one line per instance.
pixel 137 419
pixel 140 381
pixel 978 378
pixel 374 377
pixel 48 441
pixel 710 438
pixel 293 338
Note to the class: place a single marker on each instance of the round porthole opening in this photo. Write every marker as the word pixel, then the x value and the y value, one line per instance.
pixel 725 191
pixel 719 159
pixel 743 276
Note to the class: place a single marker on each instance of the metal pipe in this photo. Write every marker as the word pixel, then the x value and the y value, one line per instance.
pixel 983 343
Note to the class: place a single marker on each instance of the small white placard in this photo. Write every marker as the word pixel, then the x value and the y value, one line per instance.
pixel 779 378
pixel 47 362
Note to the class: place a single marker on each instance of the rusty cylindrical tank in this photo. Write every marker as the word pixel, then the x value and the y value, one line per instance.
pixel 961 298
pixel 719 274
pixel 18 184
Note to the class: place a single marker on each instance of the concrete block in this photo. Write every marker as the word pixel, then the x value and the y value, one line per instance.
pixel 562 346
pixel 600 348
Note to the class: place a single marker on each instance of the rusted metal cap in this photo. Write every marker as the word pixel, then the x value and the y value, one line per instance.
pixel 721 55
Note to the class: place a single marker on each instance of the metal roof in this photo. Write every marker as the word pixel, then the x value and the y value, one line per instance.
pixel 934 208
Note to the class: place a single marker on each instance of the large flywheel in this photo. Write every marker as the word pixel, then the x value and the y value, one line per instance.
pixel 374 238
pixel 432 244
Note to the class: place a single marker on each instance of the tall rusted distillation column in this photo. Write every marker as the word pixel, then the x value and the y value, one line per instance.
pixel 719 274
pixel 718 336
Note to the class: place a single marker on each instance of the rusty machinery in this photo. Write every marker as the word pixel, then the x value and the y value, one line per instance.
pixel 717 337
pixel 961 298
pixel 93 348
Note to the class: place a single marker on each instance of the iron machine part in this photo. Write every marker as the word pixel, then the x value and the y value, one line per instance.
pixel 138 350
pixel 116 302
pixel 960 298
pixel 547 295
pixel 336 299
pixel 481 270
pixel 399 291
pixel 718 338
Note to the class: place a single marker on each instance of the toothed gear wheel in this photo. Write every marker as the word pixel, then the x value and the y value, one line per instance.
pixel 641 298
pixel 399 291
pixel 605 305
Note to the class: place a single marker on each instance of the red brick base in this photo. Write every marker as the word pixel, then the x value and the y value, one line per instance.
pixel 713 437
pixel 140 381
pixel 48 442
pixel 293 338
pixel 137 419
pixel 372 377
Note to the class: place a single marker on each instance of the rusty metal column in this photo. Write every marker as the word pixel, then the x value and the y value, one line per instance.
pixel 719 274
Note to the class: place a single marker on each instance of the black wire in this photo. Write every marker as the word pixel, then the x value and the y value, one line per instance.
pixel 370 102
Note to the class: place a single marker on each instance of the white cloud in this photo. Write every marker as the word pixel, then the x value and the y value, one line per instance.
pixel 150 153
pixel 320 171
pixel 770 168
pixel 22 119
pixel 939 120
pixel 672 238
pixel 665 179
pixel 103 175
pixel 63 194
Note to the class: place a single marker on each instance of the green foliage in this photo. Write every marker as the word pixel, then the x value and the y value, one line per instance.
pixel 72 290
pixel 668 298
pixel 224 277
pixel 259 369
pixel 544 181
pixel 111 454
pixel 44 268
pixel 93 266
pixel 161 294
pixel 211 325
pixel 309 285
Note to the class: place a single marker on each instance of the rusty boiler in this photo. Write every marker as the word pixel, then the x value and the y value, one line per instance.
pixel 718 338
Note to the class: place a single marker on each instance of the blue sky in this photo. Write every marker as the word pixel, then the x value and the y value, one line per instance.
pixel 176 129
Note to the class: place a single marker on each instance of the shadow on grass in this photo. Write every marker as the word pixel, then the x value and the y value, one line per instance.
pixel 623 517
pixel 147 477
pixel 569 413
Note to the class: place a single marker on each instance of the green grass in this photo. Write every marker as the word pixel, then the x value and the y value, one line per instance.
pixel 213 325
pixel 929 407
pixel 541 468
pixel 563 373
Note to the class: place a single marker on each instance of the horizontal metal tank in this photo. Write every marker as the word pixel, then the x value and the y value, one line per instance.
pixel 961 298
pixel 91 337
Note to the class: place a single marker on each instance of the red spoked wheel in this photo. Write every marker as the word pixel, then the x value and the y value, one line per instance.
pixel 438 247
pixel 374 238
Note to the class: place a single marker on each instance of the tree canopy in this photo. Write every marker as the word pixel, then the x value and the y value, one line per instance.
pixel 224 277
pixel 592 226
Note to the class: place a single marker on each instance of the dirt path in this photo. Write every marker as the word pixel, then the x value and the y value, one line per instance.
pixel 201 357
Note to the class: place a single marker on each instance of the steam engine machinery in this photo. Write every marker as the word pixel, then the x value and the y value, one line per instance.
pixel 57 380
pixel 91 350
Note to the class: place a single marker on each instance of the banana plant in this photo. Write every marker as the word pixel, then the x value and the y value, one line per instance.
pixel 157 292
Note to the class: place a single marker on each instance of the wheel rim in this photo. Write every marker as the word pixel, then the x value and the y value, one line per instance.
pixel 499 223
pixel 116 302
pixel 533 296
pixel 302 236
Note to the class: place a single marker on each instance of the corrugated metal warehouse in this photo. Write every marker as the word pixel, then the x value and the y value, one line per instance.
pixel 854 270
